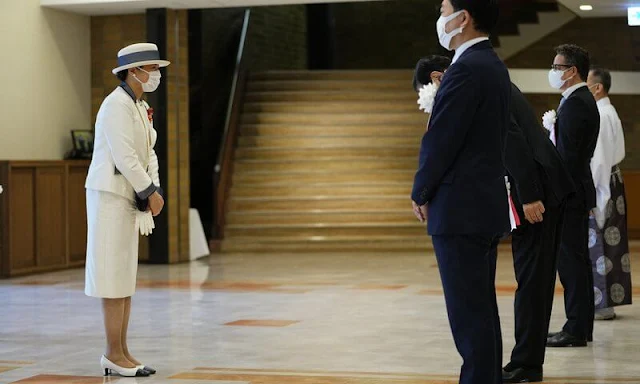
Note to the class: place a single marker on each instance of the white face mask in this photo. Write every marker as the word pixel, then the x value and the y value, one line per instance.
pixel 152 83
pixel 441 26
pixel 555 78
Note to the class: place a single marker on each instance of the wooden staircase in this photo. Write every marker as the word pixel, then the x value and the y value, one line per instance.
pixel 325 162
pixel 523 22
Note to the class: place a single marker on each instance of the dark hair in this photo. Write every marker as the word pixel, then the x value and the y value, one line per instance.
pixel 575 56
pixel 484 13
pixel 604 77
pixel 122 75
pixel 426 65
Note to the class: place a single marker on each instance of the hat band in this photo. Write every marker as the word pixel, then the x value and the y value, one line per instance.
pixel 137 57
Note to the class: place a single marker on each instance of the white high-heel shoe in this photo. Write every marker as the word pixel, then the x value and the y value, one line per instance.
pixel 109 367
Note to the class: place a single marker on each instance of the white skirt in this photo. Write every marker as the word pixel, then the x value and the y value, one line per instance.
pixel 112 246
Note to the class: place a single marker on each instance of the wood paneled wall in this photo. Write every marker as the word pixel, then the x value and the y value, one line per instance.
pixel 43 221
pixel 109 34
pixel 178 158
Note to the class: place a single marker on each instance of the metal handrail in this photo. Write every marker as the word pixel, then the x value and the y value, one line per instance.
pixel 234 85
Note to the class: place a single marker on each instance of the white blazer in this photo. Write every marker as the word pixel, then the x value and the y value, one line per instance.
pixel 124 141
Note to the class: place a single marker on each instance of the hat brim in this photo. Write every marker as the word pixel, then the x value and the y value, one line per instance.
pixel 161 63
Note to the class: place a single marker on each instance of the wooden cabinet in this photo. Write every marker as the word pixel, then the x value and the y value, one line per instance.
pixel 43 224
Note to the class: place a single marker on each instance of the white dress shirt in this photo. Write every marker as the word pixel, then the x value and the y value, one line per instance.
pixel 466 45
pixel 569 91
pixel 609 152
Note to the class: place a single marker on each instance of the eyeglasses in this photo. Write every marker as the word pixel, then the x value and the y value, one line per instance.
pixel 559 67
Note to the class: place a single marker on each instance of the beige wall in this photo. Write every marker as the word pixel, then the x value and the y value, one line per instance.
pixel 45 75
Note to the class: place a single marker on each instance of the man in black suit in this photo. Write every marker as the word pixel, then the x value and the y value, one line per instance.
pixel 575 134
pixel 461 179
pixel 540 185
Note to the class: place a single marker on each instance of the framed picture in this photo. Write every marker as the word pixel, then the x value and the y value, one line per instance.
pixel 82 141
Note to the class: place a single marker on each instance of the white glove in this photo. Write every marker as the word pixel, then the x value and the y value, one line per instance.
pixel 1 189
pixel 145 223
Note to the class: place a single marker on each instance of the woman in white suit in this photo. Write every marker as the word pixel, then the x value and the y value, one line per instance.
pixel 123 195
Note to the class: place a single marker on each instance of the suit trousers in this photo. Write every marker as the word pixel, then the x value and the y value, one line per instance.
pixel 467 265
pixel 535 248
pixel 574 269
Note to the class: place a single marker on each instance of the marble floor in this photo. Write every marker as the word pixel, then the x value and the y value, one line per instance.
pixel 281 319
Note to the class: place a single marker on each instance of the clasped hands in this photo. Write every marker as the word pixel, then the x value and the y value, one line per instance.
pixel 420 211
pixel 533 212
pixel 156 203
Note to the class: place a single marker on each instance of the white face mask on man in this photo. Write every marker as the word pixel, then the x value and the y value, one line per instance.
pixel 441 27
pixel 555 78
pixel 152 83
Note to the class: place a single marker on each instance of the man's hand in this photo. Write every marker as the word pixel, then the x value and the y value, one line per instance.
pixel 533 212
pixel 420 212
pixel 156 203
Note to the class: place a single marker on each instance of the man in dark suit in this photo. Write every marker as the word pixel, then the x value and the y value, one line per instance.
pixel 540 185
pixel 461 179
pixel 576 133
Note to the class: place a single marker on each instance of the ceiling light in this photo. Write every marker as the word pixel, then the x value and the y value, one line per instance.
pixel 586 8
pixel 634 16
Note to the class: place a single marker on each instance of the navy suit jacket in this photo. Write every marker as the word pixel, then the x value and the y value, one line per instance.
pixel 461 171
pixel 536 170
pixel 577 129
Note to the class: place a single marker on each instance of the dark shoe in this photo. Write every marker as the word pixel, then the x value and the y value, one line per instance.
pixel 522 375
pixel 149 370
pixel 564 339
pixel 551 334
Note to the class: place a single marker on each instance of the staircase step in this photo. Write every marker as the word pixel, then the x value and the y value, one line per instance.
pixel 326 217
pixel 547 6
pixel 323 177
pixel 292 154
pixel 332 130
pixel 301 190
pixel 304 231
pixel 328 142
pixel 346 106
pixel 402 96
pixel 242 166
pixel 334 118
pixel 289 204
pixel 389 75
pixel 325 162
pixel 527 15
pixel 332 85
pixel 389 243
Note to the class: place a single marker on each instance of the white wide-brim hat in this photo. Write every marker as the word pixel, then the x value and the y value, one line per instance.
pixel 138 55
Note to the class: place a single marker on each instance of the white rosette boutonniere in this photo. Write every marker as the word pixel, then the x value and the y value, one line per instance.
pixel 549 120
pixel 427 95
pixel 549 123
